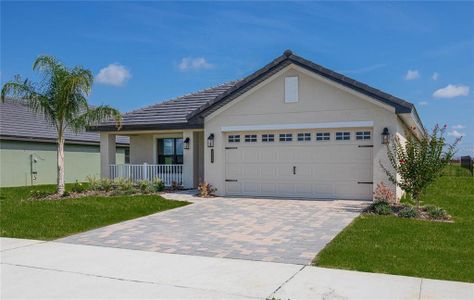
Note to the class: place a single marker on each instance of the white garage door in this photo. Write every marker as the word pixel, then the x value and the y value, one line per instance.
pixel 303 167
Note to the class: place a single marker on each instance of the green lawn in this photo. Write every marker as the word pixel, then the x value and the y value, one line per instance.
pixel 387 244
pixel 456 170
pixel 48 220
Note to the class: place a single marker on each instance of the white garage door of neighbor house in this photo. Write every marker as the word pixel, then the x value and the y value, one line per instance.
pixel 303 165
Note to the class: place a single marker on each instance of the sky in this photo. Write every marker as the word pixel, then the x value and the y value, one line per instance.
pixel 146 52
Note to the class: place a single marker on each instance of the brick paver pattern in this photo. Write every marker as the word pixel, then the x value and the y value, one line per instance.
pixel 287 231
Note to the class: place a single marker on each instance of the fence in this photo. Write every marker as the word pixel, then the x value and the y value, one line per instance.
pixel 167 173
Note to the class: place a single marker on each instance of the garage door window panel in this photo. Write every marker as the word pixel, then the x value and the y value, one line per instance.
pixel 323 136
pixel 363 135
pixel 304 137
pixel 343 136
pixel 250 138
pixel 234 138
pixel 286 137
pixel 268 138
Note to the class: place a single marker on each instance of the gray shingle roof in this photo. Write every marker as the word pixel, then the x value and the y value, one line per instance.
pixel 188 111
pixel 18 122
pixel 169 114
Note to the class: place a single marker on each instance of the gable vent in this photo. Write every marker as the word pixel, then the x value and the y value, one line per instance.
pixel 291 89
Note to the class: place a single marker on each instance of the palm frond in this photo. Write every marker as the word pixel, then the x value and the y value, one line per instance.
pixel 94 116
pixel 25 91
pixel 46 63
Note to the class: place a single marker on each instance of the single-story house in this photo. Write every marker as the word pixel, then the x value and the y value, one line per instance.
pixel 28 149
pixel 291 129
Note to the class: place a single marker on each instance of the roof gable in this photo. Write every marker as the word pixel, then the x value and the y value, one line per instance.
pixel 189 111
pixel 288 58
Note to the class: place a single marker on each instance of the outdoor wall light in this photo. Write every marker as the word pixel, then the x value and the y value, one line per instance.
pixel 385 136
pixel 210 141
pixel 186 143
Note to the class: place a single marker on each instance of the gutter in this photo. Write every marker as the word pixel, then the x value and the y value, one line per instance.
pixel 53 141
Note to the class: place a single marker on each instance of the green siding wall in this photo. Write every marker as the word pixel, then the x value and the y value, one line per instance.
pixel 16 162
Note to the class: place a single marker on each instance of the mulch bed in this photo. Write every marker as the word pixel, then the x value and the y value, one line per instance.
pixel 421 215
pixel 94 193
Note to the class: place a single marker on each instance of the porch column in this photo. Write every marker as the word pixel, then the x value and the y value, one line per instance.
pixel 189 160
pixel 107 152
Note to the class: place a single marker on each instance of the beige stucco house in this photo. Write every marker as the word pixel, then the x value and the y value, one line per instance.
pixel 291 129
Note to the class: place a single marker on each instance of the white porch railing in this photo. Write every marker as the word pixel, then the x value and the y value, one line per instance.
pixel 167 173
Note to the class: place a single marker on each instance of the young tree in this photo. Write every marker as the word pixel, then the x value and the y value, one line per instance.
pixel 419 161
pixel 61 98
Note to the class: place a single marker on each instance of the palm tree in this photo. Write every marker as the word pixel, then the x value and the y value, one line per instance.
pixel 61 98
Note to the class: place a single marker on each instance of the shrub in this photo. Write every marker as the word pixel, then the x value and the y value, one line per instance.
pixel 145 186
pixel 384 193
pixel 436 212
pixel 408 212
pixel 105 184
pixel 78 187
pixel 93 183
pixel 37 194
pixel 158 184
pixel 206 189
pixel 418 161
pixel 124 185
pixel 381 208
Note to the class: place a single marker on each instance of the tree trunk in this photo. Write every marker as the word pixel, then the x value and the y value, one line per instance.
pixel 416 197
pixel 60 154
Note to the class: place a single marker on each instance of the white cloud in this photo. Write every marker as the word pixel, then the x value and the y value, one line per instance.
pixel 189 63
pixel 459 126
pixel 456 133
pixel 113 74
pixel 423 103
pixel 412 75
pixel 435 76
pixel 451 91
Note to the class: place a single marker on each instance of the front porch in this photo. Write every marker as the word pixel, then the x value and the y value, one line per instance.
pixel 176 157
pixel 171 175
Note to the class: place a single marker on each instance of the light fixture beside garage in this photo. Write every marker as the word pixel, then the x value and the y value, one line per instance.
pixel 385 136
pixel 186 143
pixel 210 141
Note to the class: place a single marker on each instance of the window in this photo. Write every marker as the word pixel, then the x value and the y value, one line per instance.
pixel 291 89
pixel 127 155
pixel 250 138
pixel 170 151
pixel 268 137
pixel 286 137
pixel 363 135
pixel 234 138
pixel 304 136
pixel 343 136
pixel 323 136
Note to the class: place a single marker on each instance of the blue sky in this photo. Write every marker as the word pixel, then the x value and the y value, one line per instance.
pixel 146 52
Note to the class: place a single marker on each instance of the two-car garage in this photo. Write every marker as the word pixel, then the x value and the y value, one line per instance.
pixel 317 164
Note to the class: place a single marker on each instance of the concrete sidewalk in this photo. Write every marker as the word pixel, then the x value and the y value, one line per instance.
pixel 36 269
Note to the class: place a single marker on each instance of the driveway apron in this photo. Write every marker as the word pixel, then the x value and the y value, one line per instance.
pixel 275 230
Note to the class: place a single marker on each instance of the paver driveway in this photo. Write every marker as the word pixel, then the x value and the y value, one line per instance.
pixel 288 231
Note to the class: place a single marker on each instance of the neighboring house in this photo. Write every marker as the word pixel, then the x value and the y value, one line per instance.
pixel 291 129
pixel 28 149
